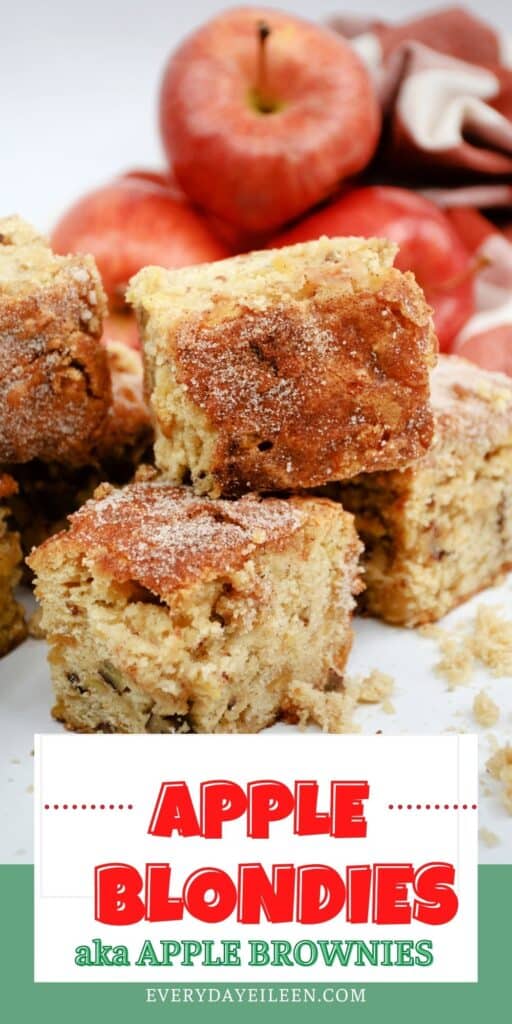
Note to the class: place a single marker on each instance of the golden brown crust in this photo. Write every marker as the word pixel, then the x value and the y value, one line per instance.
pixel 54 379
pixel 311 415
pixel 298 386
pixel 165 538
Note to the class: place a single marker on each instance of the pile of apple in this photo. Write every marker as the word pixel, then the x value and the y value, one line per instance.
pixel 266 121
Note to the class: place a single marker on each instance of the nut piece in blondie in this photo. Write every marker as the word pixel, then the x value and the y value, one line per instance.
pixel 286 368
pixel 165 612
pixel 12 620
pixel 54 379
pixel 440 531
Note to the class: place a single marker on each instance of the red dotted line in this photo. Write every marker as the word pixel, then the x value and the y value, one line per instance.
pixel 88 807
pixel 432 807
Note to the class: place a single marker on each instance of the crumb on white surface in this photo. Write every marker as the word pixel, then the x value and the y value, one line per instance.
pixel 488 838
pixel 486 639
pixel 499 766
pixel 376 688
pixel 485 711
pixel 457 660
pixel 492 640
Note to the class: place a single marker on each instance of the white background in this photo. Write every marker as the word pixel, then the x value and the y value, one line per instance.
pixel 78 86
pixel 69 844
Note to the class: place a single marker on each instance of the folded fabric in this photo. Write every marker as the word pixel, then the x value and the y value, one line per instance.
pixel 445 83
pixel 486 338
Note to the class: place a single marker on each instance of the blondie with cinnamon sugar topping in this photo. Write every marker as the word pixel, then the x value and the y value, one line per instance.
pixel 12 621
pixel 166 612
pixel 54 379
pixel 286 368
pixel 440 531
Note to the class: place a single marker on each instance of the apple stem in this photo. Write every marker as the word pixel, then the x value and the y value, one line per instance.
pixel 265 103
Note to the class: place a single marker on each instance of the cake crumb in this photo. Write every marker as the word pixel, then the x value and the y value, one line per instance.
pixel 376 688
pixel 500 768
pixel 485 711
pixel 492 640
pixel 457 661
pixel 487 639
pixel 488 838
pixel 331 711
pixel 388 707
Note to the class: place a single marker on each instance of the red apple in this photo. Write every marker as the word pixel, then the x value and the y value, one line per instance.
pixel 263 114
pixel 471 226
pixel 138 219
pixel 429 246
pixel 490 349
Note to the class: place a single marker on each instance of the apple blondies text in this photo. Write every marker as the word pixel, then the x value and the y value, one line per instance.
pixel 383 893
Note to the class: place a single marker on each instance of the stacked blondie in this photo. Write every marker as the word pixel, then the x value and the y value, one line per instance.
pixel 218 595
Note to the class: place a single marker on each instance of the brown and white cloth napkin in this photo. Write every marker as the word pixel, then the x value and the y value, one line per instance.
pixel 445 84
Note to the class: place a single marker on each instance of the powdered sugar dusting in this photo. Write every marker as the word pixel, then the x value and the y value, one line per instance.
pixel 164 537
pixel 471 404
pixel 300 394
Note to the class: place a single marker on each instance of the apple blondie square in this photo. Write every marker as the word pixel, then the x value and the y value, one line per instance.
pixel 168 612
pixel 441 530
pixel 54 379
pixel 12 620
pixel 286 368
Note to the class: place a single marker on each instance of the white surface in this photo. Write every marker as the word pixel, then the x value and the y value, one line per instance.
pixel 78 85
pixel 423 705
